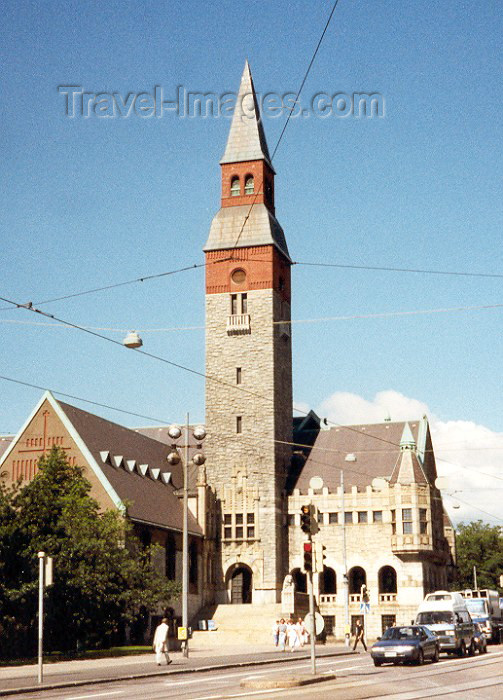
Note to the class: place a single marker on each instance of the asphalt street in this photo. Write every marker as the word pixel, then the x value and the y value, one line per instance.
pixel 469 678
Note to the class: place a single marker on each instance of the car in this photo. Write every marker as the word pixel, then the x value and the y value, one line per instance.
pixel 479 638
pixel 401 644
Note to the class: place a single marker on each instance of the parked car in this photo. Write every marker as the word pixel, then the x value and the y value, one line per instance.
pixel 399 644
pixel 480 638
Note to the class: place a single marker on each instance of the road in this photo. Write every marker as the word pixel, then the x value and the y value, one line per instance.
pixel 468 678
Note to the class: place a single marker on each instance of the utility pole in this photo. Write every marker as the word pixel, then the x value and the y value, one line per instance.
pixel 41 571
pixel 312 636
pixel 185 541
pixel 345 565
pixel 475 578
pixel 309 526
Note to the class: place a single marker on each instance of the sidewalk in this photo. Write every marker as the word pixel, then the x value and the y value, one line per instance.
pixel 22 679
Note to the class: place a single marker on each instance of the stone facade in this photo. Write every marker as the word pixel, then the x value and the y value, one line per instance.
pixel 248 367
pixel 391 539
pixel 247 469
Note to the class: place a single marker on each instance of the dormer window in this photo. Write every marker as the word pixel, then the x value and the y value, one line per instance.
pixel 235 187
pixel 249 184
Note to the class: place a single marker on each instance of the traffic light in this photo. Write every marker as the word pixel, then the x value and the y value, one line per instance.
pixel 364 594
pixel 308 557
pixel 319 556
pixel 305 519
pixel 308 520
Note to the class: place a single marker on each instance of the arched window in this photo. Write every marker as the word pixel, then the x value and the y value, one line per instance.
pixel 387 580
pixel 357 577
pixel 235 187
pixel 328 581
pixel 299 580
pixel 249 184
pixel 170 557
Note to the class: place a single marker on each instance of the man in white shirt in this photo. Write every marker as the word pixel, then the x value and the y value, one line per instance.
pixel 160 643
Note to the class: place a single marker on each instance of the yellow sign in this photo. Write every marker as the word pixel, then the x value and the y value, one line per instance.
pixel 182 633
pixel 347 629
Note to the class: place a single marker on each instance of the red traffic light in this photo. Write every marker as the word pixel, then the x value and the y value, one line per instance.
pixel 308 546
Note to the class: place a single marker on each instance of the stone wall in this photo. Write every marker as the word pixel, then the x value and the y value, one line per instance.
pixel 247 469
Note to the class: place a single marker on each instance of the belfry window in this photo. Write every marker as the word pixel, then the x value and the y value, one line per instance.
pixel 249 184
pixel 235 187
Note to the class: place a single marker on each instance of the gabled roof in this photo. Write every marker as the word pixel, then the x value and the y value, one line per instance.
pixel 128 465
pixel 246 139
pixel 364 452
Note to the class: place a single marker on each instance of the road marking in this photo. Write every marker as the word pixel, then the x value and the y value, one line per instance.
pixel 207 680
pixel 240 695
pixel 95 695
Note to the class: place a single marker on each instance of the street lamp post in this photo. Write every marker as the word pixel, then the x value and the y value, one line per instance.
pixel 133 341
pixel 199 433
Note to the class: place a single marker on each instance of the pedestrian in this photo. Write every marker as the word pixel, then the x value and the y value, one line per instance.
pixel 160 643
pixel 359 635
pixel 282 634
pixel 293 637
pixel 301 631
pixel 275 633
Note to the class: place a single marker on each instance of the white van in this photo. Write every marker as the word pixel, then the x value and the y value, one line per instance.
pixel 446 615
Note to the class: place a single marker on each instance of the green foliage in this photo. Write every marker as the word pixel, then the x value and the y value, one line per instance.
pixel 103 577
pixel 481 545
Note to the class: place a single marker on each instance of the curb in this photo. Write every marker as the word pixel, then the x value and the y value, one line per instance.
pixel 171 672
pixel 289 683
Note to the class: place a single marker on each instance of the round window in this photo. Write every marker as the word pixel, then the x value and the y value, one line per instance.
pixel 238 276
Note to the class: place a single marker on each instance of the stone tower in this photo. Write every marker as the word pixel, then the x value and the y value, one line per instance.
pixel 249 363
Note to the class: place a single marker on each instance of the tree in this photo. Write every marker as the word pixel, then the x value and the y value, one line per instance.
pixel 103 577
pixel 481 545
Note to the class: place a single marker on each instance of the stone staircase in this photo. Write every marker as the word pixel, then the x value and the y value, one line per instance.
pixel 237 625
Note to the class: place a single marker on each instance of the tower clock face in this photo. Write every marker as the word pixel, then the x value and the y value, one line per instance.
pixel 238 276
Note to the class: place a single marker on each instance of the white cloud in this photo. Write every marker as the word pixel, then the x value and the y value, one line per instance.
pixel 470 455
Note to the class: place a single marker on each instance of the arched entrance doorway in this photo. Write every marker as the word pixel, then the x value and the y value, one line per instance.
pixel 239 581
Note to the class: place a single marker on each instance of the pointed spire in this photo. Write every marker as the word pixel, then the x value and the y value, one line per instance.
pixel 407 441
pixel 246 136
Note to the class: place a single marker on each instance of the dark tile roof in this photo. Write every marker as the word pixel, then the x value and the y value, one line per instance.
pixel 376 449
pixel 151 501
pixel 160 433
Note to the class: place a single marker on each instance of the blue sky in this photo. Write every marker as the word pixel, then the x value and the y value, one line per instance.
pixel 91 202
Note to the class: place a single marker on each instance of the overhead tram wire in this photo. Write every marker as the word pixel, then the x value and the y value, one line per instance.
pixel 288 117
pixel 351 317
pixel 145 278
pixel 203 375
pixel 241 439
pixel 29 307
pixel 280 442
pixel 423 271
pixel 343 266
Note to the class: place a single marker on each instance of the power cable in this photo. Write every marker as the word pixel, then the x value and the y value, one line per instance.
pixel 401 269
pixel 281 442
pixel 241 439
pixel 145 278
pixel 29 307
pixel 351 317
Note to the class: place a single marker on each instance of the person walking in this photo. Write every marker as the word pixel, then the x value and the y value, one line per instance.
pixel 359 635
pixel 301 631
pixel 293 637
pixel 282 634
pixel 160 643
pixel 275 633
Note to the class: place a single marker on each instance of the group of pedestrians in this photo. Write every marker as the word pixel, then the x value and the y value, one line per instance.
pixel 287 633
